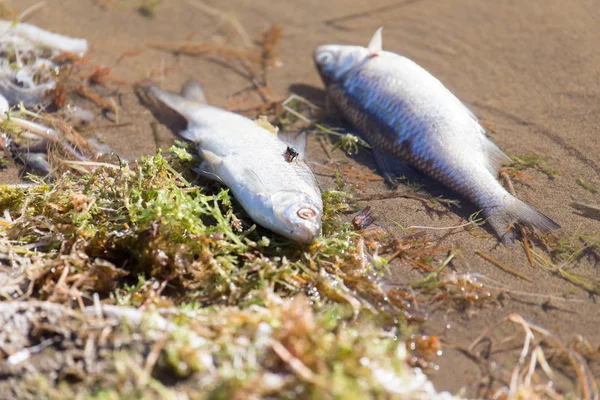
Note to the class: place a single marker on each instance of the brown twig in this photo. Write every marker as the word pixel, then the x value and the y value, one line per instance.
pixel 527 246
pixel 502 266
pixel 105 104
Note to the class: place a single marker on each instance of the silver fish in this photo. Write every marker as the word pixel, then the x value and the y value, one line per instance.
pixel 278 193
pixel 409 116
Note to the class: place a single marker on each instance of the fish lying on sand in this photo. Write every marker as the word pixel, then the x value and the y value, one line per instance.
pixel 277 192
pixel 409 116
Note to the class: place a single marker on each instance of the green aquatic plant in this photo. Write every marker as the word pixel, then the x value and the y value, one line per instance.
pixel 565 252
pixel 238 304
pixel 149 220
pixel 532 161
pixel 590 187
pixel 348 142
pixel 154 283
pixel 285 349
pixel 300 110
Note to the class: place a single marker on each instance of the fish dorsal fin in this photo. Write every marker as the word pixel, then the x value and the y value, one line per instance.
pixel 375 45
pixel 296 140
pixel 192 91
pixel 496 157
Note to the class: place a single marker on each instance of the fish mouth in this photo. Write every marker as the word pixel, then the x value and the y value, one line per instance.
pixel 306 234
pixel 323 57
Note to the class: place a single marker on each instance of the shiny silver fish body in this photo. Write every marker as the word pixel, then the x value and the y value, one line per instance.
pixel 278 193
pixel 409 116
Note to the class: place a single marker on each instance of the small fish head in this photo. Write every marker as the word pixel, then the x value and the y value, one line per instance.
pixel 299 216
pixel 335 61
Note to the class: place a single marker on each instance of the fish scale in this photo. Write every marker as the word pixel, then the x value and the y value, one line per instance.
pixel 409 116
pixel 406 142
pixel 395 125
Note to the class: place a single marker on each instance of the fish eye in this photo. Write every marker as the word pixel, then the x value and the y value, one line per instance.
pixel 325 58
pixel 306 213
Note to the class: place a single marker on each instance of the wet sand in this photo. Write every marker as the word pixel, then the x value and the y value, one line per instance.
pixel 528 69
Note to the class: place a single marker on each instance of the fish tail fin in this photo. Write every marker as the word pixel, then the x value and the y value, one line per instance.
pixel 518 211
pixel 172 100
pixel 185 102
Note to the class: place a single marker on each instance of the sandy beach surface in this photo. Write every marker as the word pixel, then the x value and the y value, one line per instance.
pixel 529 70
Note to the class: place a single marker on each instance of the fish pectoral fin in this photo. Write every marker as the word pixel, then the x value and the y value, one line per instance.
pixel 205 170
pixel 375 45
pixel 496 157
pixel 192 90
pixel 211 159
pixel 295 139
pixel 209 166
pixel 391 168
pixel 253 181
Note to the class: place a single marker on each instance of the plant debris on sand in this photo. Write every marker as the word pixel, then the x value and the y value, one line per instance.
pixel 156 286
pixel 39 73
pixel 244 311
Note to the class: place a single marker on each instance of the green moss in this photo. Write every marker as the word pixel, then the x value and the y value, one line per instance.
pixel 11 198
pixel 535 161
pixel 587 186
pixel 150 221
pixel 565 254
pixel 243 312
pixel 348 142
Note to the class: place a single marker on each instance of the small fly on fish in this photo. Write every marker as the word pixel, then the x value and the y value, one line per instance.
pixel 291 154
pixel 410 117
pixel 277 194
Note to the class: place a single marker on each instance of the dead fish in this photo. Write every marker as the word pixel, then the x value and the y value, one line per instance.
pixel 280 195
pixel 409 116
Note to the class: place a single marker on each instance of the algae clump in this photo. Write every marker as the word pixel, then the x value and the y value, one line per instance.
pixel 231 308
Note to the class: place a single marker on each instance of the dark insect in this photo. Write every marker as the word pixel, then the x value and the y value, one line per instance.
pixel 363 219
pixel 291 154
